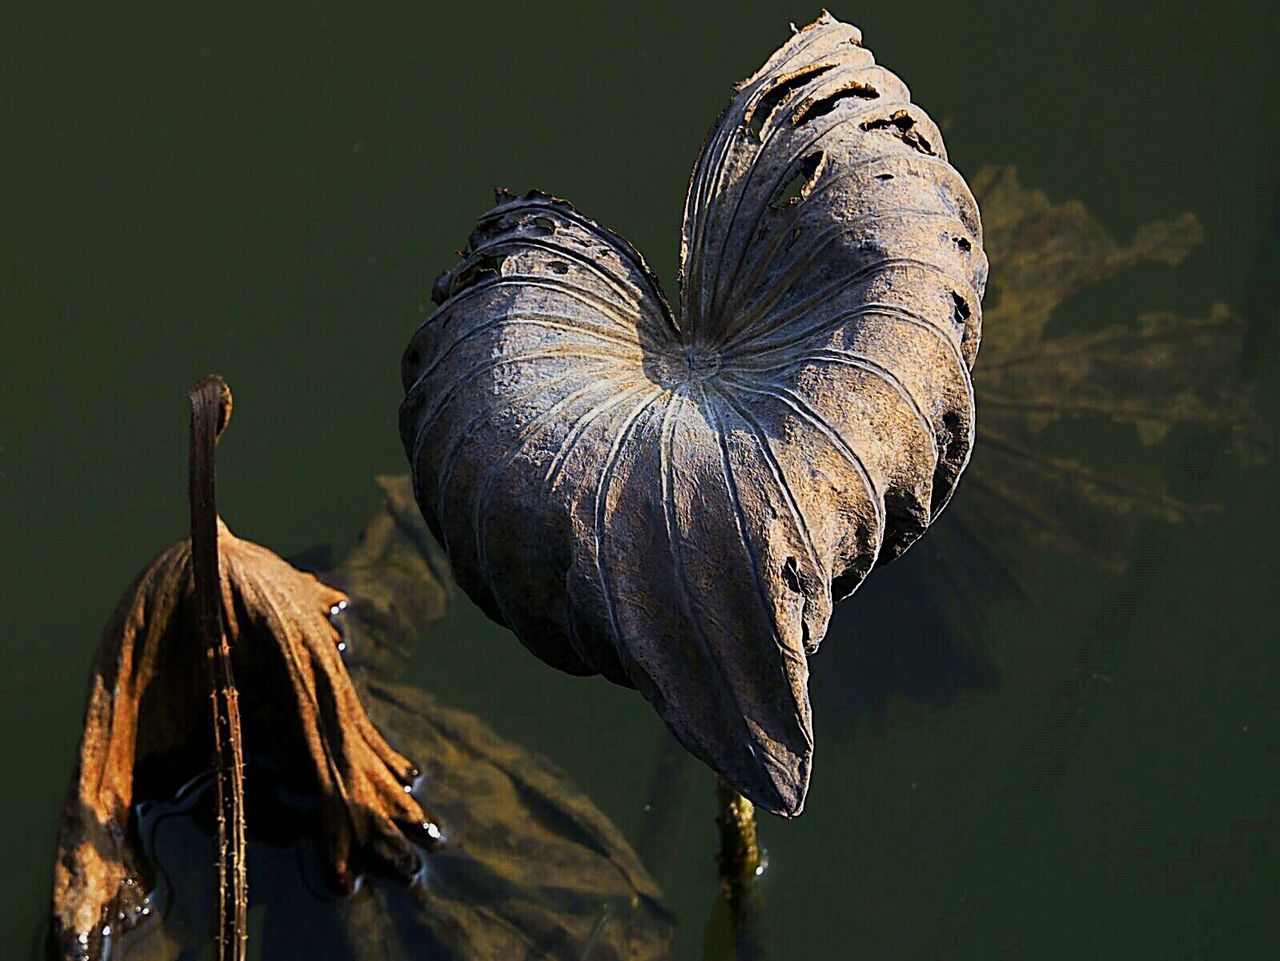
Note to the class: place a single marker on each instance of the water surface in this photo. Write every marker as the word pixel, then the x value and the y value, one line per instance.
pixel 270 194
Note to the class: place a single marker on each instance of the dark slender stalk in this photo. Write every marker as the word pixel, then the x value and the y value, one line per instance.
pixel 740 869
pixel 210 412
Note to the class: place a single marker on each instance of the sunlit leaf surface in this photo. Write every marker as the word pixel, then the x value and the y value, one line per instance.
pixel 675 499
pixel 531 867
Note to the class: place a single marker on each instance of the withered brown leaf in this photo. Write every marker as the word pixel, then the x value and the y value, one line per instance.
pixel 147 724
pixel 531 864
pixel 531 869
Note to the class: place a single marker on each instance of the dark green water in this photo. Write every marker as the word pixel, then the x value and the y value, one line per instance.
pixel 269 195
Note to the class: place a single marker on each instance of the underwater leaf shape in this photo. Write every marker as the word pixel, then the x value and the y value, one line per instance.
pixel 1045 252
pixel 1151 374
pixel 532 869
pixel 676 502
pixel 397 582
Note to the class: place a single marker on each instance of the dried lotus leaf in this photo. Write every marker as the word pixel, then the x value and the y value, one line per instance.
pixel 675 501
pixel 146 734
pixel 531 867
pixel 153 716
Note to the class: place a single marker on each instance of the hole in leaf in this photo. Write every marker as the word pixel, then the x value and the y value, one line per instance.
pixel 545 224
pixel 963 243
pixel 824 105
pixel 791 575
pixel 559 266
pixel 950 437
pixel 884 176
pixel 907 517
pixel 758 113
pixel 484 267
pixel 798 187
pixel 960 309
pixel 902 125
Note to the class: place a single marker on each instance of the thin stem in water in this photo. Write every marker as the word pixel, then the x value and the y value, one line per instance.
pixel 741 867
pixel 210 413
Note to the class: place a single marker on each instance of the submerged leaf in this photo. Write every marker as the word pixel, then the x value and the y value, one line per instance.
pixel 397 582
pixel 1160 372
pixel 676 502
pixel 532 868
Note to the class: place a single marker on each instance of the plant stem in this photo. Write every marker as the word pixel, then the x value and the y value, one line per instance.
pixel 740 869
pixel 210 411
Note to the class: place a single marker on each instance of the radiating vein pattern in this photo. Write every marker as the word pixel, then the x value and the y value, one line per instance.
pixel 675 498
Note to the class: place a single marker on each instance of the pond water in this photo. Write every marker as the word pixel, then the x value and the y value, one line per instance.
pixel 1084 765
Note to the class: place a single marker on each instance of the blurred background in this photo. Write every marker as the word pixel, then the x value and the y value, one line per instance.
pixel 1073 752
